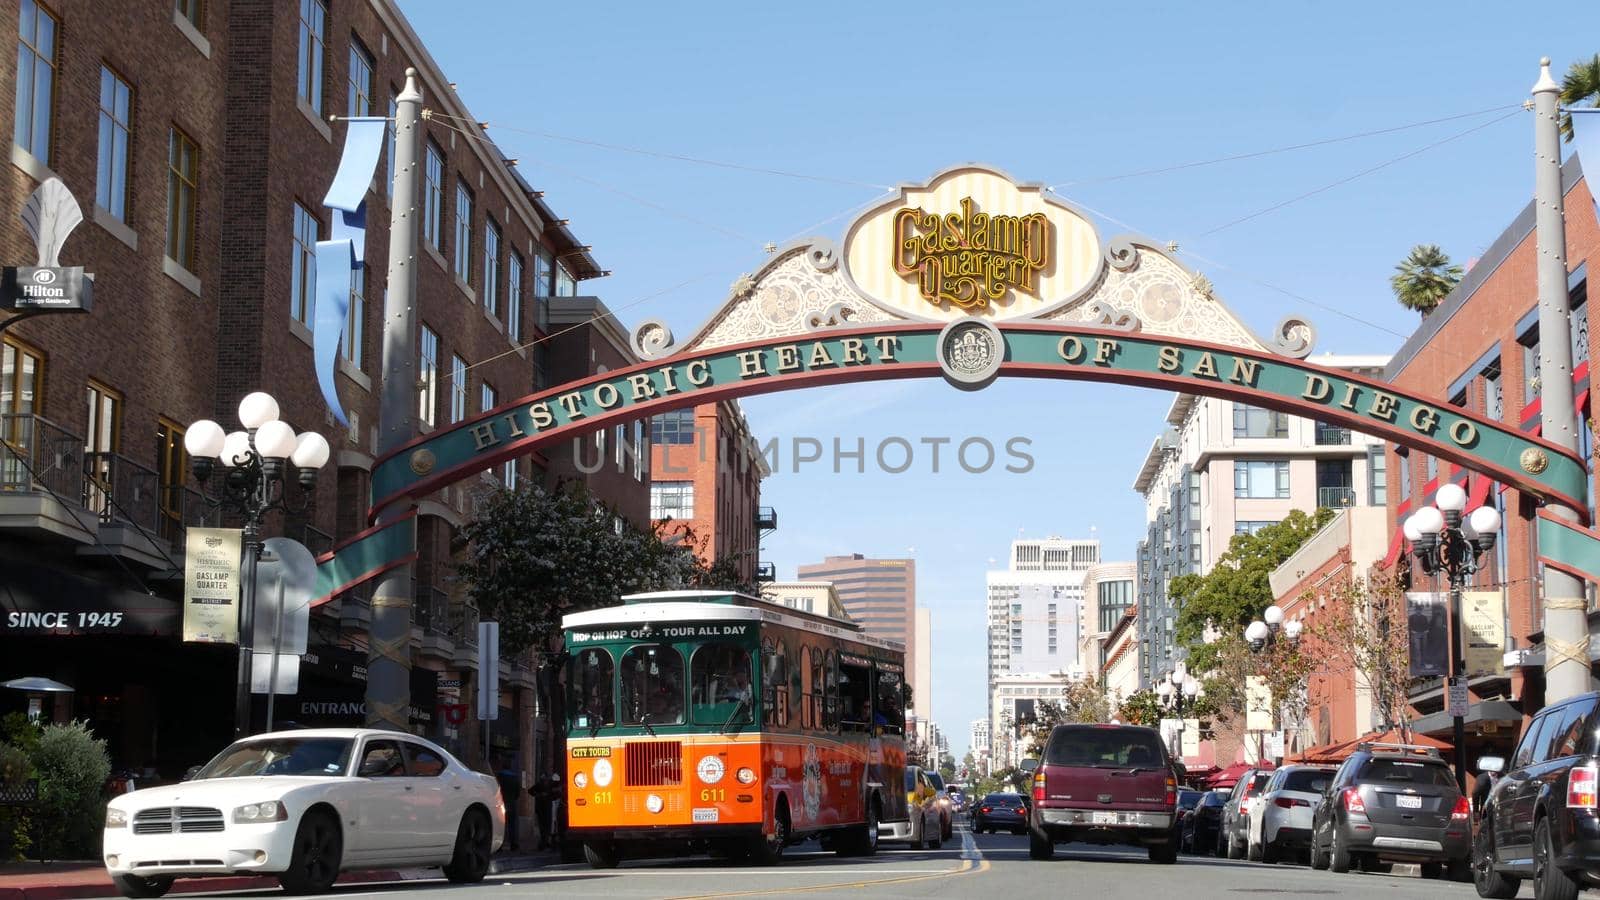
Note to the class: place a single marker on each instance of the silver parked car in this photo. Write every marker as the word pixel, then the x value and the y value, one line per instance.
pixel 1235 831
pixel 1281 818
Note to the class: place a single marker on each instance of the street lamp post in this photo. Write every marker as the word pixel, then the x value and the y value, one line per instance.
pixel 1262 634
pixel 1176 691
pixel 253 486
pixel 1442 540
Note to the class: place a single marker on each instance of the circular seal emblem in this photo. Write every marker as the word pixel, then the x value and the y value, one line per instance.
pixel 422 461
pixel 970 352
pixel 1534 461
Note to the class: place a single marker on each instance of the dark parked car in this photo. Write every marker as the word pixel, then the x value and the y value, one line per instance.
pixel 1105 784
pixel 1201 826
pixel 1187 799
pixel 1393 803
pixel 1540 820
pixel 997 812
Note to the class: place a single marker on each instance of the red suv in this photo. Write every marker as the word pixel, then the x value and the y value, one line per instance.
pixel 1105 784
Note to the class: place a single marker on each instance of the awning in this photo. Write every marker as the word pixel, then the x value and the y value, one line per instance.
pixel 1499 712
pixel 1339 751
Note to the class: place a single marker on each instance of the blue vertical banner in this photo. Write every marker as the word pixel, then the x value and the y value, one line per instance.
pixel 1586 146
pixel 339 257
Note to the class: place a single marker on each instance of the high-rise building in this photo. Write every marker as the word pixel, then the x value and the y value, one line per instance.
pixel 1108 592
pixel 922 673
pixel 980 745
pixel 1223 468
pixel 1015 700
pixel 1033 606
pixel 879 594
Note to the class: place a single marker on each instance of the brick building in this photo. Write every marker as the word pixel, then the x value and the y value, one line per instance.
pixel 706 471
pixel 1480 349
pixel 199 146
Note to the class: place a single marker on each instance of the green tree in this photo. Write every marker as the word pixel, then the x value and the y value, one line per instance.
pixel 1424 278
pixel 1580 84
pixel 947 767
pixel 1082 701
pixel 532 556
pixel 1237 589
pixel 72 766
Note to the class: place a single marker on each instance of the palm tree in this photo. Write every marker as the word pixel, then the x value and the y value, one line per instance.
pixel 1582 82
pixel 1424 278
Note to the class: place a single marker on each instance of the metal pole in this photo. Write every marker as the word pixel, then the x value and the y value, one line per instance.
pixel 1454 569
pixel 389 653
pixel 1566 625
pixel 247 624
pixel 277 647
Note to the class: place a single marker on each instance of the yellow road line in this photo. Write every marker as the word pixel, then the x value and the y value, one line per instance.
pixel 967 867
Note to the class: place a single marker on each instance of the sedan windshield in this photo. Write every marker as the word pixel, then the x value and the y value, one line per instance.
pixel 281 756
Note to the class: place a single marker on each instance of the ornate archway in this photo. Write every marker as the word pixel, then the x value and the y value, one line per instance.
pixel 968 277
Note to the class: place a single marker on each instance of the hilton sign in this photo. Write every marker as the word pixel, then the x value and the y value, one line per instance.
pixel 46 289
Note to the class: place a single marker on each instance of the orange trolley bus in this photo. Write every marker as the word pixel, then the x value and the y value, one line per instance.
pixel 715 721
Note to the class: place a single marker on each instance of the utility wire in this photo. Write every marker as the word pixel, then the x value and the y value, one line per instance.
pixel 1361 174
pixel 720 164
pixel 1285 149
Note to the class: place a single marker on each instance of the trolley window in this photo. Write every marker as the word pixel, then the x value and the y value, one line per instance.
pixel 888 714
pixel 855 694
pixel 652 685
pixel 722 685
pixel 591 701
pixel 774 684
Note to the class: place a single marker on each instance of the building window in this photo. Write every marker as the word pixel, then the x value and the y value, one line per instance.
pixel 1377 476
pixel 1255 422
pixel 102 441
pixel 172 467
pixel 672 500
pixel 433 198
pixel 428 374
pixel 194 11
pixel 676 427
pixel 1251 526
pixel 116 116
pixel 313 38
pixel 36 80
pixel 1261 478
pixel 1405 476
pixel 458 389
pixel 486 397
pixel 543 286
pixel 360 84
pixel 491 267
pixel 566 285
pixel 183 187
pixel 514 297
pixel 303 266
pixel 1493 395
pixel 21 393
pixel 389 143
pixel 464 234
pixel 1530 365
pixel 355 326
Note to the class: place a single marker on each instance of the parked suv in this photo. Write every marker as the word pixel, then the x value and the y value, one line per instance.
pixel 1281 820
pixel 1393 803
pixel 1105 784
pixel 1236 815
pixel 1540 820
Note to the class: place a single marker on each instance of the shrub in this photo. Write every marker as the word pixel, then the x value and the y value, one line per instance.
pixel 15 770
pixel 73 766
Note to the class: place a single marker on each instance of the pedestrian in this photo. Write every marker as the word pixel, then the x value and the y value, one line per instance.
pixel 543 792
pixel 510 778
pixel 1481 786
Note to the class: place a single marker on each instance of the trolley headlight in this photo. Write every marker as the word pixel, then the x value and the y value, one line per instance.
pixel 602 772
pixel 711 769
pixel 653 803
pixel 581 780
pixel 746 775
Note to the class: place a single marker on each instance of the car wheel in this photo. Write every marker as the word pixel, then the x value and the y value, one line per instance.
pixel 1432 869
pixel 1317 859
pixel 602 855
pixel 1252 851
pixel 1269 854
pixel 474 846
pixel 863 839
pixel 1165 854
pixel 1338 854
pixel 1040 846
pixel 140 888
pixel 1459 870
pixel 767 850
pixel 1490 883
pixel 318 849
pixel 937 841
pixel 1549 882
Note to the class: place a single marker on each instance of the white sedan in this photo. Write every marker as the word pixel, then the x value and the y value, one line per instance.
pixel 304 806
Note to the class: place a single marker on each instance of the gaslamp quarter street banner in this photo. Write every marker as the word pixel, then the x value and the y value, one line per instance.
pixel 211 586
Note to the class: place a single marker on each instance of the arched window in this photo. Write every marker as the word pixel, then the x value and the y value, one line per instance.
pixel 830 674
pixel 810 679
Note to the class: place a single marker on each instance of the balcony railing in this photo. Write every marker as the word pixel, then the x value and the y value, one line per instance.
pixel 36 455
pixel 465 622
pixel 430 610
pixel 1332 435
pixel 766 518
pixel 1336 497
pixel 766 571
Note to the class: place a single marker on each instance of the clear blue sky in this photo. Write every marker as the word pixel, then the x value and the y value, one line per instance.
pixel 877 94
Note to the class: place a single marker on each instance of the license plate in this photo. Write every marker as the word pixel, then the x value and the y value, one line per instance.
pixel 704 815
pixel 1104 818
pixel 1407 802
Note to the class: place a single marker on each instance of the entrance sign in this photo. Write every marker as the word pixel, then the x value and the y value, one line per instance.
pixel 211 585
pixel 969 276
pixel 45 289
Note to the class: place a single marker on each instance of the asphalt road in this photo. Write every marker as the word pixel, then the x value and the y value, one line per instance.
pixel 988 866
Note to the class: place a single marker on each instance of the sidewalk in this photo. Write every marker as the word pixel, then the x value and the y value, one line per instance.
pixel 77 880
